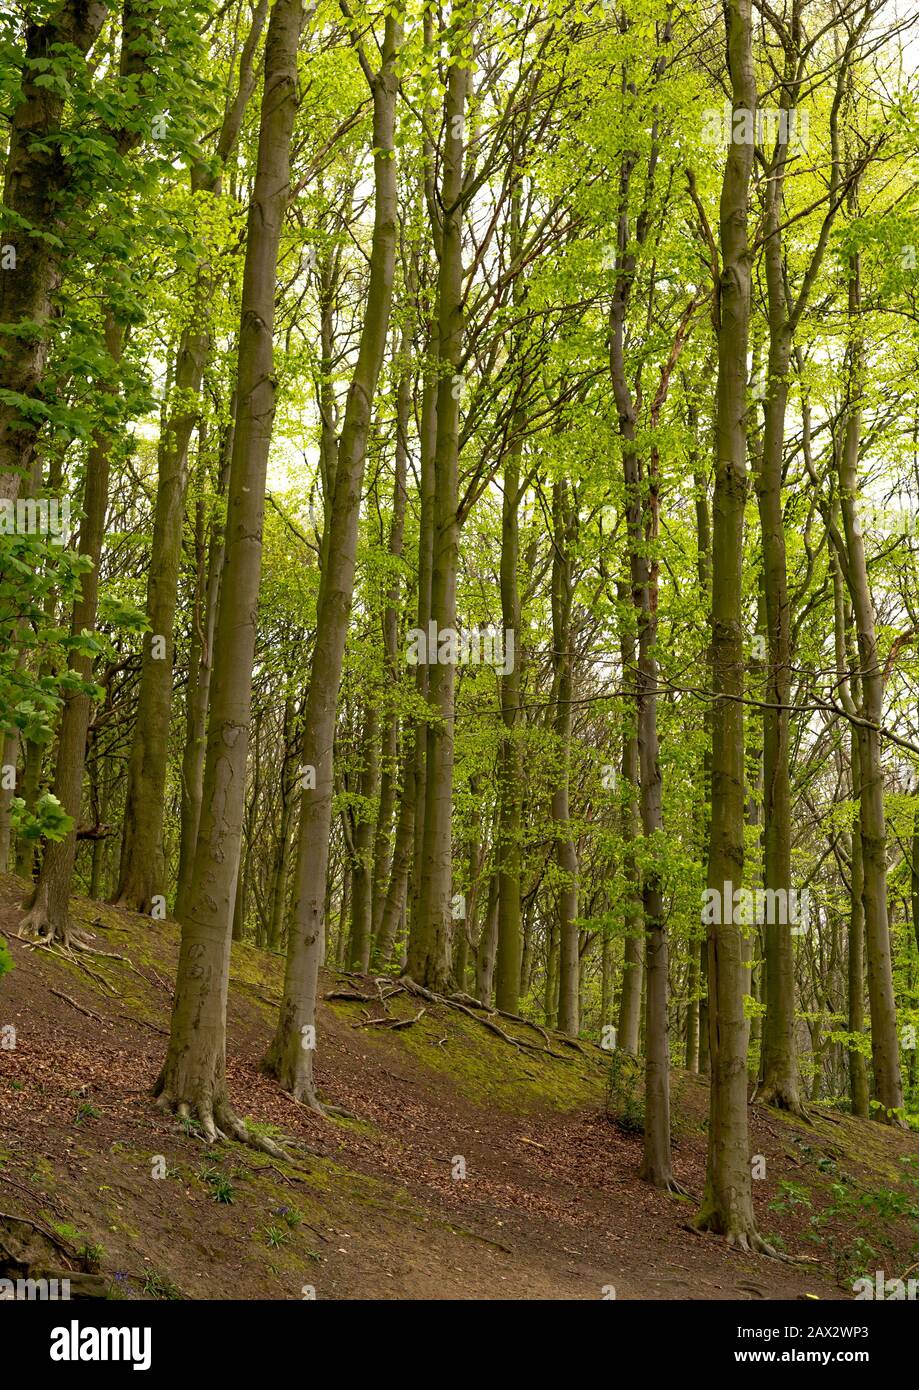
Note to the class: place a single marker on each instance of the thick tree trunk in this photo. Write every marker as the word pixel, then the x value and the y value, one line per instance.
pixel 193 1078
pixel 289 1058
pixel 36 180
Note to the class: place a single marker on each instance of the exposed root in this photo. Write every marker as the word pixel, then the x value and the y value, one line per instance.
pixel 774 1098
pixel 747 1240
pixel 219 1122
pixel 752 1243
pixel 310 1101
pixel 451 1002
pixel 393 1023
pixel 674 1188
pixel 74 1005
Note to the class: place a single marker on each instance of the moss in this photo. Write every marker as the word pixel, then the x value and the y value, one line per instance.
pixel 488 1070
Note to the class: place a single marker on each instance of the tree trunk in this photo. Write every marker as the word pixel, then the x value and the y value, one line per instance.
pixel 566 857
pixel 200 666
pixel 142 868
pixel 193 1078
pixel 888 1082
pixel 428 960
pixel 37 177
pixel 289 1058
pixel 48 912
pixel 508 963
pixel 727 1204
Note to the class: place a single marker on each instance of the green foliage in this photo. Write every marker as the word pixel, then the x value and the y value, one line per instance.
pixel 624 1097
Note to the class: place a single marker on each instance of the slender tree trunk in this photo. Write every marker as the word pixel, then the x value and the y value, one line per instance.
pixel 727 1204
pixel 201 661
pixel 779 1084
pixel 389 759
pixel 428 960
pixel 508 964
pixel 361 904
pixel 48 912
pixel 564 516
pixel 488 945
pixel 888 1082
pixel 193 1078
pixel 142 868
pixel 7 791
pixel 656 1162
pixel 289 1058
pixel 629 1031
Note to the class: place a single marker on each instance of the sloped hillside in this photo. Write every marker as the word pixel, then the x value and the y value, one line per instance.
pixel 468 1164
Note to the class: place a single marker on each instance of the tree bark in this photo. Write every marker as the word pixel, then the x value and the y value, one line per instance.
pixel 727 1204
pixel 36 180
pixel 564 517
pixel 141 872
pixel 289 1059
pixel 428 959
pixel 193 1078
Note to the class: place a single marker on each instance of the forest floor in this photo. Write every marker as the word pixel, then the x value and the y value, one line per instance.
pixel 551 1206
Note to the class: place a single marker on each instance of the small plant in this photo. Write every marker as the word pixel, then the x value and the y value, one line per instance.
pixel 220 1186
pixel 289 1215
pixel 276 1236
pixel 794 1194
pixel 90 1254
pixel 87 1111
pixel 159 1286
pixel 263 1129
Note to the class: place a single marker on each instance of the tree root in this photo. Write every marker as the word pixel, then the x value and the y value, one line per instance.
pixel 772 1098
pixel 411 987
pixel 392 1023
pixel 220 1122
pixel 74 1005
